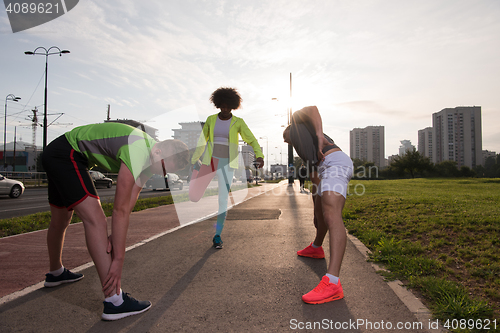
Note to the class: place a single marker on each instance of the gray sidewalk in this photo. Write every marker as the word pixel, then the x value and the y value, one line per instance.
pixel 254 284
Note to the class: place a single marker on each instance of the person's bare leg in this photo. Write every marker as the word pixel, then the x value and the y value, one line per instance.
pixel 332 204
pixel 321 227
pixel 330 288
pixel 59 222
pixel 199 184
pixel 96 234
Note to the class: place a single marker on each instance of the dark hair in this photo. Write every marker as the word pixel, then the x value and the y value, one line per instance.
pixel 287 129
pixel 226 97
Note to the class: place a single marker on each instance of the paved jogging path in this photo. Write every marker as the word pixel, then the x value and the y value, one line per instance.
pixel 254 284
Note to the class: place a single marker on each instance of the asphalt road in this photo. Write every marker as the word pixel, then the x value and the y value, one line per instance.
pixel 34 200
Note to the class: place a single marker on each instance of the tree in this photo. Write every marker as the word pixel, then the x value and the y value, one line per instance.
pixel 465 171
pixel 297 162
pixel 390 172
pixel 364 169
pixel 447 169
pixel 356 162
pixel 490 169
pixel 412 162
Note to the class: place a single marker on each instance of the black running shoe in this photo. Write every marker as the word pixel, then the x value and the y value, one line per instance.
pixel 129 307
pixel 217 242
pixel 65 277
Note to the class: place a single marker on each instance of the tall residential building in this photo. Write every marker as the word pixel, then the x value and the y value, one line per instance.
pixel 189 133
pixel 425 141
pixel 405 146
pixel 458 136
pixel 368 144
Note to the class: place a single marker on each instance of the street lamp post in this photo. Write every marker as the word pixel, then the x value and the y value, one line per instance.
pixel 10 97
pixel 281 154
pixel 46 54
pixel 290 147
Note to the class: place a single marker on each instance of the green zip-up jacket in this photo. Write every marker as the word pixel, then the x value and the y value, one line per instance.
pixel 238 126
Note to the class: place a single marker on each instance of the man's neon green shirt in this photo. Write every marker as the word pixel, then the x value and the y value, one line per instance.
pixel 108 144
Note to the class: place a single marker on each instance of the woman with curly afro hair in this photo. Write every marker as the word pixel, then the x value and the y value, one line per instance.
pixel 218 144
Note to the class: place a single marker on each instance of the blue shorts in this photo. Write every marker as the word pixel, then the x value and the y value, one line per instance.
pixel 68 174
pixel 335 172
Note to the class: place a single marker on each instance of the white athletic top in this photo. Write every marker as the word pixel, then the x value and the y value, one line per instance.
pixel 221 131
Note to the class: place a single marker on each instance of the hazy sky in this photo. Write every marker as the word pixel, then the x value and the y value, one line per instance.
pixel 367 62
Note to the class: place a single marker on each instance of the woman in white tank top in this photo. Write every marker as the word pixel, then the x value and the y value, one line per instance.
pixel 218 143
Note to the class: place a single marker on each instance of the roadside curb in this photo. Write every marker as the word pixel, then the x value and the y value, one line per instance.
pixel 419 310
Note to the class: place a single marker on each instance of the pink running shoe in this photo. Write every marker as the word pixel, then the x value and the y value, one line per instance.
pixel 312 252
pixel 324 292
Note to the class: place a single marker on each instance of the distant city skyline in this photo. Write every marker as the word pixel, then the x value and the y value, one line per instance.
pixel 456 135
pixel 366 63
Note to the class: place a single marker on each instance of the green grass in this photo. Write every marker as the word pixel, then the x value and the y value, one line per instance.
pixel 439 236
pixel 40 221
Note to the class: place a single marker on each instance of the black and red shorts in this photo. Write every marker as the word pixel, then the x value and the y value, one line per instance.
pixel 67 173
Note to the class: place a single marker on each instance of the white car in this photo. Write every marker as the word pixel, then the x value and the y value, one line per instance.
pixel 11 187
pixel 100 179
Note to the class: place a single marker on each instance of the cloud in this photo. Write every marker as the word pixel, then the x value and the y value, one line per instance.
pixel 368 107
